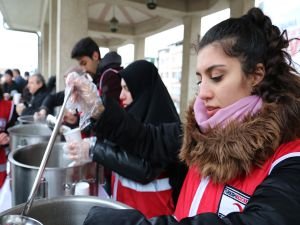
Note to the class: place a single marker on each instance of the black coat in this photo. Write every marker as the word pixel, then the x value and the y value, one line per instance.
pixel 127 165
pixel 140 140
pixel 151 121
pixel 35 102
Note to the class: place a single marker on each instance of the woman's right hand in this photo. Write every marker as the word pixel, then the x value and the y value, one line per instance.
pixel 78 150
pixel 4 138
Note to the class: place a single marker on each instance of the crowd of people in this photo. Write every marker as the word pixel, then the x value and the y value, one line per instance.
pixel 27 91
pixel 235 159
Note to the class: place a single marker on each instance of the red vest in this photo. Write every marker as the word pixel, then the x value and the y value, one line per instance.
pixel 152 199
pixel 6 111
pixel 200 195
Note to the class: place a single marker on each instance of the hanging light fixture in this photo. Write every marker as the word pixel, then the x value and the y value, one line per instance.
pixel 113 23
pixel 151 4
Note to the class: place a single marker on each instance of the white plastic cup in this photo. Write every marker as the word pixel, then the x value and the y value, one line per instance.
pixel 82 188
pixel 17 98
pixel 73 135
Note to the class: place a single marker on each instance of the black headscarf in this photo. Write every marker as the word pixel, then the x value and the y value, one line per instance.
pixel 151 100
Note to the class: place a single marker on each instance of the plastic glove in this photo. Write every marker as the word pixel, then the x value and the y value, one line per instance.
pixel 78 150
pixel 85 97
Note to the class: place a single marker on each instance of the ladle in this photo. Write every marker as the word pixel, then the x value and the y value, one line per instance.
pixel 23 219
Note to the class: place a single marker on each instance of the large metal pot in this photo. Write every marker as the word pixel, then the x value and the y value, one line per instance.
pixel 59 177
pixel 28 134
pixel 67 210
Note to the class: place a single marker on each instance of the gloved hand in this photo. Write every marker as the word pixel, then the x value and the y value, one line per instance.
pixel 79 150
pixel 85 97
pixel 40 115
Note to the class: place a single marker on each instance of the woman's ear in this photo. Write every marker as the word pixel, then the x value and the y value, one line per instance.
pixel 258 74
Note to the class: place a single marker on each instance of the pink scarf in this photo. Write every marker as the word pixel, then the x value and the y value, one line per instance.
pixel 238 110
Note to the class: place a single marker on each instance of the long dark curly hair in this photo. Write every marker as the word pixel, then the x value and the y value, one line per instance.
pixel 253 39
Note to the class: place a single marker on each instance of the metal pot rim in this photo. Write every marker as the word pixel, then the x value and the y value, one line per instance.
pixel 72 198
pixel 12 160
pixel 17 163
pixel 12 130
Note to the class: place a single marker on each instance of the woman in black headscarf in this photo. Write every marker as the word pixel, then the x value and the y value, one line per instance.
pixel 148 183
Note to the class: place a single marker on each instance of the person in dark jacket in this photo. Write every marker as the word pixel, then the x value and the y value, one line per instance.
pixel 48 106
pixel 9 86
pixel 242 137
pixel 104 73
pixel 86 52
pixel 142 93
pixel 54 99
pixel 20 81
pixel 38 90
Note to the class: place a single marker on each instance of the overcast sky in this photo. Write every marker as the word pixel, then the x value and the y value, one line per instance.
pixel 18 49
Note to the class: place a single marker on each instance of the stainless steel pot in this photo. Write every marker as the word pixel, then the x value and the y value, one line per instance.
pixel 59 177
pixel 28 134
pixel 26 119
pixel 67 210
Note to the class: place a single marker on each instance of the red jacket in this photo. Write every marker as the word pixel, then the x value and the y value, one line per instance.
pixel 198 194
pixel 6 112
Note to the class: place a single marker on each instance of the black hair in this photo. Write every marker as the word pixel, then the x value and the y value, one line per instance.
pixel 110 60
pixel 9 72
pixel 253 39
pixel 85 47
